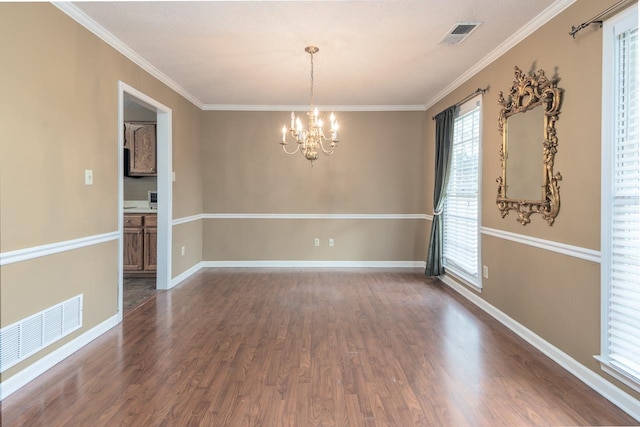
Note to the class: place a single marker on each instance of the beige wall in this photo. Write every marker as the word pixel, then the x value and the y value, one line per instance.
pixel 293 239
pixel 138 188
pixel 556 296
pixel 377 168
pixel 59 116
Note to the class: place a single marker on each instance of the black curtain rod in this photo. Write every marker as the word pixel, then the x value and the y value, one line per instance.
pixel 594 20
pixel 466 98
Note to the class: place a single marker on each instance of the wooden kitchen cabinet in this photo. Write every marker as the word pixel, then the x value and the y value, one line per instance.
pixel 132 242
pixel 150 243
pixel 140 140
pixel 140 244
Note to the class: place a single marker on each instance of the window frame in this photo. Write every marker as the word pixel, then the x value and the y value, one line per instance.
pixel 451 270
pixel 612 27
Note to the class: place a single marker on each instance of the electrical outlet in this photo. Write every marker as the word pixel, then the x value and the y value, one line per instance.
pixel 331 242
pixel 485 271
pixel 316 242
pixel 182 251
pixel 88 177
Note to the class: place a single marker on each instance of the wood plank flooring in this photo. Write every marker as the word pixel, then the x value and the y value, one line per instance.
pixel 271 347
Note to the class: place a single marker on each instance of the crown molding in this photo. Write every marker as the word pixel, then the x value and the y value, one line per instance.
pixel 237 107
pixel 87 22
pixel 545 16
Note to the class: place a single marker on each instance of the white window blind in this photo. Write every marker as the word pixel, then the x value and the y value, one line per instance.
pixel 621 201
pixel 460 214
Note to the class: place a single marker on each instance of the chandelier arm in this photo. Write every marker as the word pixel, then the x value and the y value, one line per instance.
pixel 293 152
pixel 331 140
pixel 327 152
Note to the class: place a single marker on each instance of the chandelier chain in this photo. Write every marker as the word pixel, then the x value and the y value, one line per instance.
pixel 312 80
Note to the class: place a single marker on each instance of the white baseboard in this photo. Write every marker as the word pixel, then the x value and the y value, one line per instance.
pixel 615 395
pixel 295 264
pixel 186 274
pixel 316 264
pixel 28 374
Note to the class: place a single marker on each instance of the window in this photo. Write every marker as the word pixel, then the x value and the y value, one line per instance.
pixel 461 207
pixel 621 200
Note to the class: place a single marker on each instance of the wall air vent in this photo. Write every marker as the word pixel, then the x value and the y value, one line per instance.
pixel 30 335
pixel 459 32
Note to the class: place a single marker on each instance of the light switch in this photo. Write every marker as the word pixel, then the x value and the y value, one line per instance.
pixel 88 177
pixel 173 176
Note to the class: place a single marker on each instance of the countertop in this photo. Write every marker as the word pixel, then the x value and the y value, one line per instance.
pixel 138 206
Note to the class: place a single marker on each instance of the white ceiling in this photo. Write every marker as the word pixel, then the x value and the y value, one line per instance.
pixel 373 54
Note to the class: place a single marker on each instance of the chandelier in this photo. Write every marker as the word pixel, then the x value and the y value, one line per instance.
pixel 312 140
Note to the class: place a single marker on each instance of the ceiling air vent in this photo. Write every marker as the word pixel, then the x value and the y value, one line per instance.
pixel 459 32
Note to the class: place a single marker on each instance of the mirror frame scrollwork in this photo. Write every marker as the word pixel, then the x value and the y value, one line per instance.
pixel 529 92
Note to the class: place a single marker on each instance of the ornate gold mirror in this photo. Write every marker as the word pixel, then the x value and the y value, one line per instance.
pixel 526 123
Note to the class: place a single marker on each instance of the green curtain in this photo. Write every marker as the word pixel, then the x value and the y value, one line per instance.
pixel 444 141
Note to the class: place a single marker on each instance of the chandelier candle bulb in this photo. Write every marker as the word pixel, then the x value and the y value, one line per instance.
pixel 284 134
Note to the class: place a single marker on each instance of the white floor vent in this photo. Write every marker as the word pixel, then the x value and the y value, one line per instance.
pixel 28 336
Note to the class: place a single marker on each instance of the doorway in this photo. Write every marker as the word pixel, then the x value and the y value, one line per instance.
pixel 134 104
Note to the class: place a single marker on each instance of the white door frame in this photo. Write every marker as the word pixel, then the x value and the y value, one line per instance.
pixel 165 168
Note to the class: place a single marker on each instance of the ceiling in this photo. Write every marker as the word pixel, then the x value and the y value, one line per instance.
pixel 373 54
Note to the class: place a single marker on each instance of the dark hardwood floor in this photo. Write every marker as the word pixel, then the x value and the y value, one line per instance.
pixel 308 348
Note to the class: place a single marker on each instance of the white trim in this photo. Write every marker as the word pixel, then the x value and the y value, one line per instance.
pixel 186 219
pixel 165 185
pixel 87 22
pixel 611 29
pixel 186 274
pixel 450 275
pixel 198 217
pixel 549 245
pixel 15 382
pixel 623 377
pixel 312 216
pixel 545 16
pixel 618 397
pixel 288 264
pixel 355 108
pixel 315 264
pixel 54 248
pixel 607 120
pixel 468 109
